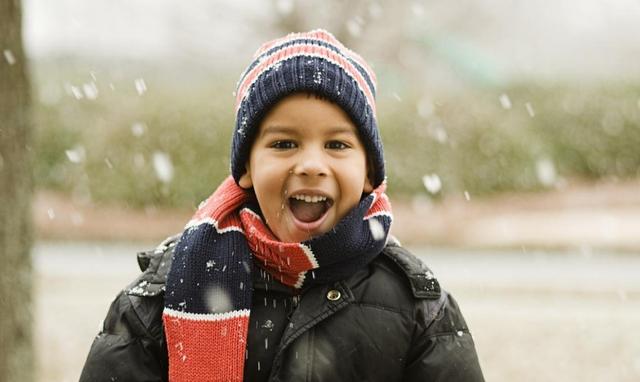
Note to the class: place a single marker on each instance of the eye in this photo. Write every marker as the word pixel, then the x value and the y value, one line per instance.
pixel 337 145
pixel 283 145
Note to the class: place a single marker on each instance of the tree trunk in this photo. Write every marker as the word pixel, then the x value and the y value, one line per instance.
pixel 16 355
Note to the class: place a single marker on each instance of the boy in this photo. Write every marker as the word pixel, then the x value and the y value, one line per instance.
pixel 287 272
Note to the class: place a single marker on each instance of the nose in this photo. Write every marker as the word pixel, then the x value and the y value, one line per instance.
pixel 311 162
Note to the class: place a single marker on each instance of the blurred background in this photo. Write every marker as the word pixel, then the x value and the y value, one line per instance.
pixel 511 132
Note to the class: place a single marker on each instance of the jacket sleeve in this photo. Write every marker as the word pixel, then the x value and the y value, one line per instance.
pixel 443 349
pixel 130 346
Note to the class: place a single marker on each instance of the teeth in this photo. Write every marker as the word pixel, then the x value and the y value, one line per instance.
pixel 310 199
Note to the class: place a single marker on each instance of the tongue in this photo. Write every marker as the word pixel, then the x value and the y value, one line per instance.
pixel 307 212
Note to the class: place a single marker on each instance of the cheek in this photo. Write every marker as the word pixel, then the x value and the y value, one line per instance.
pixel 353 181
pixel 357 169
pixel 268 184
pixel 266 173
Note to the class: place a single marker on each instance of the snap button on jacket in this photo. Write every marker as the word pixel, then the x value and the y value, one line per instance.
pixel 333 295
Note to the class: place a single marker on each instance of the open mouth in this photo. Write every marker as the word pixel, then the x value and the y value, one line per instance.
pixel 308 208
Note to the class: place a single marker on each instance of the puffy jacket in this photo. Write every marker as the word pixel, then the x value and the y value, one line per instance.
pixel 388 322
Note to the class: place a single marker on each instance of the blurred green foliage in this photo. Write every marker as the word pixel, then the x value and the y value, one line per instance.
pixel 520 138
pixel 101 146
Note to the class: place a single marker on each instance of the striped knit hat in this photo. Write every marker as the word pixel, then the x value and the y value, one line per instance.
pixel 306 62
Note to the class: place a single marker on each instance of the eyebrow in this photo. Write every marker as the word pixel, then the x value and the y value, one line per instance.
pixel 275 129
pixel 341 130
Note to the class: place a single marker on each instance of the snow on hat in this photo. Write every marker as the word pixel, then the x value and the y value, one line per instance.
pixel 313 62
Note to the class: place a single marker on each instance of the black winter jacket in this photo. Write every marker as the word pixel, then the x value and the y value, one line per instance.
pixel 388 322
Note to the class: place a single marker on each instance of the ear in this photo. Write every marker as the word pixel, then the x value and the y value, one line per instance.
pixel 368 186
pixel 245 180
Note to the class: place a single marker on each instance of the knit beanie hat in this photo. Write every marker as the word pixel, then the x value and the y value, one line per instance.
pixel 313 62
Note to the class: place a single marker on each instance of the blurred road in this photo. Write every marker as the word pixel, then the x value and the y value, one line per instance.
pixel 536 316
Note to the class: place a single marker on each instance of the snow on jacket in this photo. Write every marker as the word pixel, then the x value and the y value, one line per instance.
pixel 388 322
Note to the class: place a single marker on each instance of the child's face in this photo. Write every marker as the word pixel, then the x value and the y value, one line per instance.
pixel 307 167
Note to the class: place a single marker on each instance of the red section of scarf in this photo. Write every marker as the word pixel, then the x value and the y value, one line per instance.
pixel 286 262
pixel 206 350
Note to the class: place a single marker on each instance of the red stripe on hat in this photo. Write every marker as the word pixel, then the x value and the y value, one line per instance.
pixel 304 50
pixel 324 36
pixel 329 38
pixel 317 34
pixel 206 350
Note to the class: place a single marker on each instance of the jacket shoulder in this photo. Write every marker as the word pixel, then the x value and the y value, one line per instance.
pixel 155 265
pixel 398 281
pixel 421 280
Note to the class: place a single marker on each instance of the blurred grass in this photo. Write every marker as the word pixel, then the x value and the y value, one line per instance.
pixel 522 137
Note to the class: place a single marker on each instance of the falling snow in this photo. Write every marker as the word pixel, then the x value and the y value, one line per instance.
pixel 76 155
pixel 141 86
pixel 432 183
pixel 74 91
pixel 217 300
pixel 505 101
pixel 354 26
pixel 90 90
pixel 440 134
pixel 546 171
pixel 268 324
pixel 163 166
pixel 317 77
pixel 138 129
pixel 376 228
pixel 8 56
pixel 530 110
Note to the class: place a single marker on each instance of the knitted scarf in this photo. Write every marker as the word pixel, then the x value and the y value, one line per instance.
pixel 209 286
